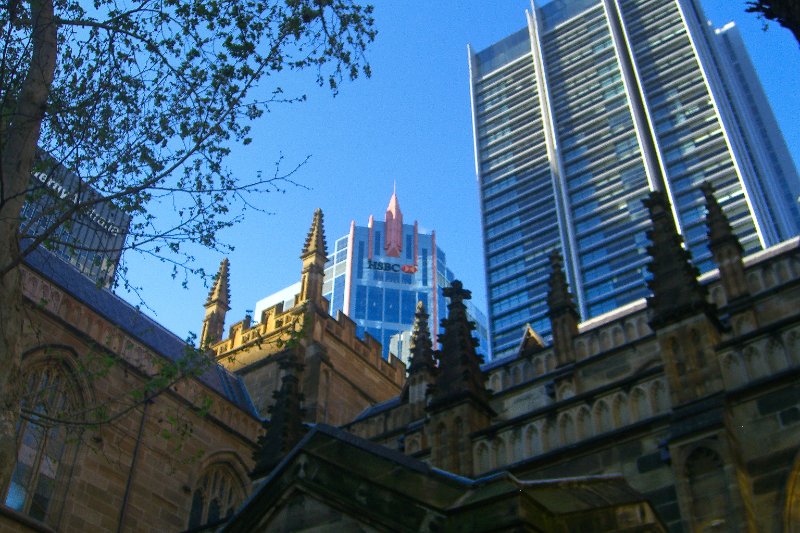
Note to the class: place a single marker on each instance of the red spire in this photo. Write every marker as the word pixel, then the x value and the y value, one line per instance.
pixel 393 242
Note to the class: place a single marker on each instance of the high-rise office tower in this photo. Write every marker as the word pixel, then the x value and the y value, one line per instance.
pixel 579 115
pixel 377 273
pixel 92 239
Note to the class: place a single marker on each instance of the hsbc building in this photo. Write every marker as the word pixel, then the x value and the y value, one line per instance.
pixel 377 273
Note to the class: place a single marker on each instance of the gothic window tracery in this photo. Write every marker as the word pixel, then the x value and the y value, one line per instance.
pixel 45 443
pixel 216 496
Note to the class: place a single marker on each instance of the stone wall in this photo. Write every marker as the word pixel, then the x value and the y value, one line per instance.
pixel 127 463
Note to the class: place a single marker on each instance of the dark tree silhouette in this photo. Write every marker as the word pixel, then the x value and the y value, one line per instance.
pixel 784 12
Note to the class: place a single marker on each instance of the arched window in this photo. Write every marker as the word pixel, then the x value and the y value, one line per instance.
pixel 602 417
pixel 533 440
pixel 584 423
pixel 658 398
pixel 440 446
pixel 640 404
pixel 792 342
pixel 517 451
pixel 709 492
pixel 495 383
pixel 216 496
pixel 527 371
pixel 483 457
pixel 45 442
pixel 567 429
pixel 500 458
pixel 698 346
pixel 621 415
pixel 755 362
pixel 458 445
pixel 550 436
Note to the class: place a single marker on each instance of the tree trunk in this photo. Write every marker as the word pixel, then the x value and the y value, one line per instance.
pixel 18 151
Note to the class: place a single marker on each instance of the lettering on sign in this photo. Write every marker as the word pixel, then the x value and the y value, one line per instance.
pixel 63 193
pixel 390 267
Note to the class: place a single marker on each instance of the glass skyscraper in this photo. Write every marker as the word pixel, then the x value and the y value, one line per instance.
pixel 92 239
pixel 579 115
pixel 377 273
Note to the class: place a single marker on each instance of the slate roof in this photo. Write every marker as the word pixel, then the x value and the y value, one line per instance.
pixel 135 323
pixel 451 497
pixel 378 408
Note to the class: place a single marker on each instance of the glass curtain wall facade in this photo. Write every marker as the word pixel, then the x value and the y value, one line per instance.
pixel 377 273
pixel 92 239
pixel 577 117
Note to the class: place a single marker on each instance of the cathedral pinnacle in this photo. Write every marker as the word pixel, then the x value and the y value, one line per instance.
pixel 314 257
pixel 674 286
pixel 719 229
pixel 315 241
pixel 725 247
pixel 563 312
pixel 421 345
pixel 220 293
pixel 217 305
pixel 459 364
pixel 559 299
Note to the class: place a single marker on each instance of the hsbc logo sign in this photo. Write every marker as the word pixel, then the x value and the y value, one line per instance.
pixel 390 267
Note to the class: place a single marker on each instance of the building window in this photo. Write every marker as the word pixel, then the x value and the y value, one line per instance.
pixel 708 489
pixel 376 250
pixel 216 497
pixel 44 441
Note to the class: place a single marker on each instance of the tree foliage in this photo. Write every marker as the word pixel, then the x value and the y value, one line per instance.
pixel 143 99
pixel 784 12
pixel 147 97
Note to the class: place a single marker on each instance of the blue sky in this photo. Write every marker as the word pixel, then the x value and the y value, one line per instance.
pixel 409 124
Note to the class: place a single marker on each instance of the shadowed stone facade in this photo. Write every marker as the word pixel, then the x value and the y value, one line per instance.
pixel 151 464
pixel 676 413
pixel 691 395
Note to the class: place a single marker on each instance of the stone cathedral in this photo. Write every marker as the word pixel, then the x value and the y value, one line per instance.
pixel 677 413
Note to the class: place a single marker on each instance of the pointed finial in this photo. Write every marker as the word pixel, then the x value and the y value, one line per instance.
pixel 393 227
pixel 726 248
pixel 559 297
pixel 459 369
pixel 719 229
pixel 315 241
pixel 675 289
pixel 421 345
pixel 562 311
pixel 220 292
pixel 457 293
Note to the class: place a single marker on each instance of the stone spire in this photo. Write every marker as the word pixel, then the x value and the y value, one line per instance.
pixel 676 293
pixel 216 306
pixel 393 227
pixel 725 247
pixel 285 426
pixel 421 345
pixel 422 366
pixel 458 403
pixel 459 364
pixel 314 256
pixel 563 312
